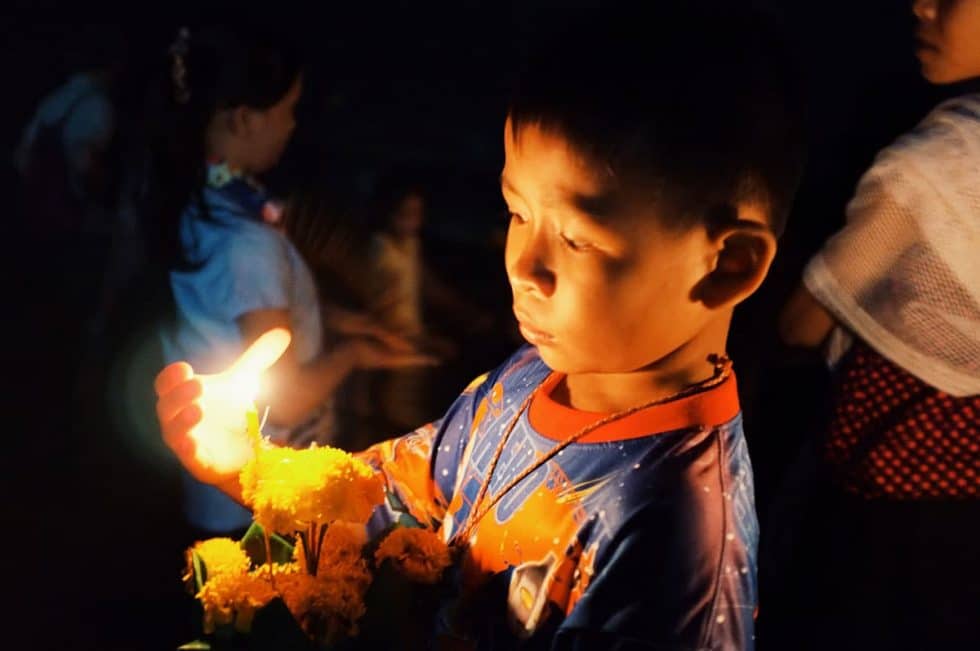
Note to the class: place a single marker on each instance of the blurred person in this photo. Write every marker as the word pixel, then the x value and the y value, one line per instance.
pixel 68 167
pixel 63 152
pixel 321 222
pixel 404 285
pixel 894 300
pixel 234 273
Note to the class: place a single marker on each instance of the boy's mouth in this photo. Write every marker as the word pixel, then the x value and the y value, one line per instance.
pixel 923 44
pixel 531 333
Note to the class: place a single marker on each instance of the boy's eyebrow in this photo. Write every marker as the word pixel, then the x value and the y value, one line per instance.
pixel 601 205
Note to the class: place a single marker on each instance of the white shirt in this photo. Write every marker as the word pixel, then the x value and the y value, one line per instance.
pixel 904 272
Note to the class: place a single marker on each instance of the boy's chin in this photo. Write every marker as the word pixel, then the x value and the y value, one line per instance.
pixel 560 362
pixel 940 75
pixel 554 359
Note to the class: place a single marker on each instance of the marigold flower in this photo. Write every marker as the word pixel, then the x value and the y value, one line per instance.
pixel 220 556
pixel 417 553
pixel 234 598
pixel 289 489
pixel 319 603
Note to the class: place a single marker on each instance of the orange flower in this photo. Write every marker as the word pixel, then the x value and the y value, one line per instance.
pixel 342 554
pixel 419 554
pixel 319 603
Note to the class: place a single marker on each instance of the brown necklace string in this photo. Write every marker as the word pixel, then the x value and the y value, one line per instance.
pixel 479 509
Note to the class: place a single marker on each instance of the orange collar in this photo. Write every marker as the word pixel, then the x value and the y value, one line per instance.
pixel 713 407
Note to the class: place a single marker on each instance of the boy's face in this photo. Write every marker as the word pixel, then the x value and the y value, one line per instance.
pixel 599 284
pixel 948 35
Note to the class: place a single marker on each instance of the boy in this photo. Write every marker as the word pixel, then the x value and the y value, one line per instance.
pixel 598 483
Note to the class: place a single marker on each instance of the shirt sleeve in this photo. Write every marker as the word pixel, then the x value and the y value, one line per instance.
pixel 259 276
pixel 662 586
pixel 420 468
pixel 901 273
pixel 881 226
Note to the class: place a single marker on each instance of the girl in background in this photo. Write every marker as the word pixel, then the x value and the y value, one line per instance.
pixel 234 274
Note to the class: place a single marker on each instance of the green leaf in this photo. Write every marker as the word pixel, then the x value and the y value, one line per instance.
pixel 200 571
pixel 196 645
pixel 405 519
pixel 253 542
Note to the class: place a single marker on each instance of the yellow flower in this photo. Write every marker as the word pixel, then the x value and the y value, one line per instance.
pixel 323 605
pixel 419 554
pixel 234 598
pixel 220 556
pixel 289 489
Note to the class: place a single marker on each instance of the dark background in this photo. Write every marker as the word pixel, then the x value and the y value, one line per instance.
pixel 93 526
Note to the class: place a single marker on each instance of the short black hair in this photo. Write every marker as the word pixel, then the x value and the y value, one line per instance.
pixel 697 104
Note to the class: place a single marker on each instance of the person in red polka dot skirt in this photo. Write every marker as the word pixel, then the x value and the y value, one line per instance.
pixel 894 300
pixel 894 436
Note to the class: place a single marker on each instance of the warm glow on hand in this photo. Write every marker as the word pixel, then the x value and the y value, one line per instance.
pixel 222 437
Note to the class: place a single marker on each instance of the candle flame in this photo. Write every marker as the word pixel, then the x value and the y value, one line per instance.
pixel 222 436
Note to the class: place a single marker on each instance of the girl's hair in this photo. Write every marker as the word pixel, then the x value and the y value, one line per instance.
pixel 207 70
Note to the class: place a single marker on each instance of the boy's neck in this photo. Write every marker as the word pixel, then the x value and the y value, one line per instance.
pixel 608 393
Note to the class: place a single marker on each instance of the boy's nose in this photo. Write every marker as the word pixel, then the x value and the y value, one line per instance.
pixel 925 10
pixel 529 269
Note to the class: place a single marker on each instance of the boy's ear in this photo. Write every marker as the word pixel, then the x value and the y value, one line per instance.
pixel 743 251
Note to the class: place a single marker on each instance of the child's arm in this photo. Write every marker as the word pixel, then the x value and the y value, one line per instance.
pixel 420 468
pixel 804 321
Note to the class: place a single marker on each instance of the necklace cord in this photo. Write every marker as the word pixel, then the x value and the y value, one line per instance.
pixel 722 369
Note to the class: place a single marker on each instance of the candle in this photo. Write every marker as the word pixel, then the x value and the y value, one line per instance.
pixel 226 436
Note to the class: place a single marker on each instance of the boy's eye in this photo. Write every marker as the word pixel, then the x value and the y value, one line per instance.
pixel 575 245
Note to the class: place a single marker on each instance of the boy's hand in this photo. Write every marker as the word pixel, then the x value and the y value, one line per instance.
pixel 203 417
pixel 178 412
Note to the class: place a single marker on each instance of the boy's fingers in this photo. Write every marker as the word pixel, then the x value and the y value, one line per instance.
pixel 176 430
pixel 171 376
pixel 263 353
pixel 172 403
